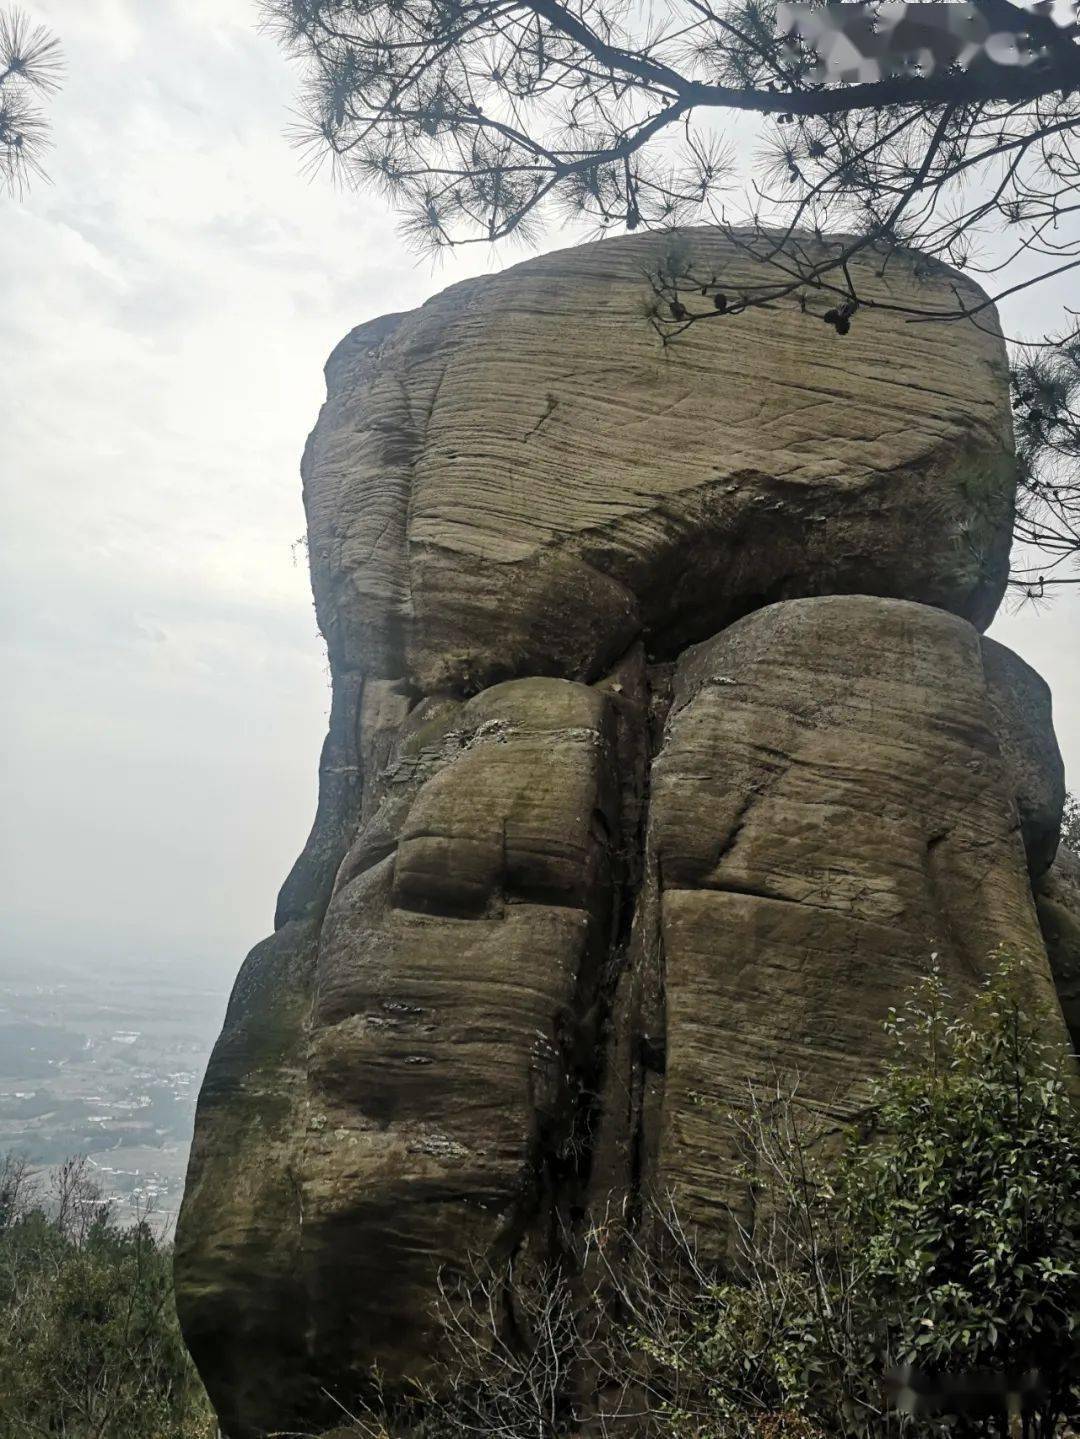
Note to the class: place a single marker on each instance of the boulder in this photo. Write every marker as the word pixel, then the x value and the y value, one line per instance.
pixel 1023 719
pixel 520 478
pixel 830 809
pixel 453 980
pixel 664 750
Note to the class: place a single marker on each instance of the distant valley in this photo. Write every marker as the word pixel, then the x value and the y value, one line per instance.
pixel 106 1061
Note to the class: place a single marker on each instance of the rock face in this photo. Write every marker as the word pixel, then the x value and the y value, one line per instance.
pixel 664 751
pixel 823 815
pixel 1020 700
pixel 1058 901
pixel 518 478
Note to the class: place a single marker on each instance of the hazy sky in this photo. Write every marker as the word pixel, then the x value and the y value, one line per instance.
pixel 169 301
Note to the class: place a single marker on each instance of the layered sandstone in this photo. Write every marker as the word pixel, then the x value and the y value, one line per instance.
pixel 518 478
pixel 664 753
pixel 824 815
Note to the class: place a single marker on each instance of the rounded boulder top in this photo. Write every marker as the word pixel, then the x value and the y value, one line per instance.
pixel 521 476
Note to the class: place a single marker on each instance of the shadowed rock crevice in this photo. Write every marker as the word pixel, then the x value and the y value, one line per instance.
pixel 664 750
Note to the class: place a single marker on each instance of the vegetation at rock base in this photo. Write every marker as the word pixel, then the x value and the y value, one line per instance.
pixel 917 1276
pixel 89 1343
pixel 942 1241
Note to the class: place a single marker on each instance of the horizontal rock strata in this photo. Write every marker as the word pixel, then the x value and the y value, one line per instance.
pixel 518 478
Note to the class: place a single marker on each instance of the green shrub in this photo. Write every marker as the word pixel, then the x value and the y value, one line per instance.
pixel 942 1241
pixel 89 1343
pixel 969 1205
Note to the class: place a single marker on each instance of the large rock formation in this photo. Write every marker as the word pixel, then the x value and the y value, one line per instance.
pixel 664 751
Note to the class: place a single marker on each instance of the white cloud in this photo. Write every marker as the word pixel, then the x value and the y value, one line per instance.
pixel 173 296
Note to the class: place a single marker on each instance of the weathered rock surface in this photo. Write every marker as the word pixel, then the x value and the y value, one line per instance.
pixel 1023 719
pixel 518 478
pixel 664 751
pixel 1058 901
pixel 824 815
pixel 451 979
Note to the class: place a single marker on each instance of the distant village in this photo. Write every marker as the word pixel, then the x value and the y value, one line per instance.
pixel 107 1068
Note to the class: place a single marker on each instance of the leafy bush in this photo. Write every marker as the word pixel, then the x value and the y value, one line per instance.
pixel 89 1343
pixel 942 1241
pixel 969 1207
